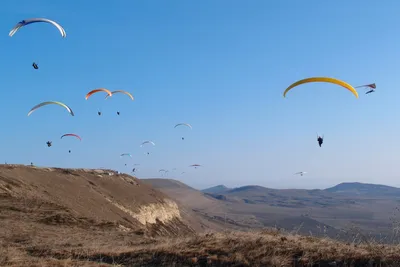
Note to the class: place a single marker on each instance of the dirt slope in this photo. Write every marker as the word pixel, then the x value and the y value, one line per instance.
pixel 183 193
pixel 100 195
pixel 199 210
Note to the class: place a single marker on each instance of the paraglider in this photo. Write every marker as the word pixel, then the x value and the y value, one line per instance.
pixel 125 154
pixel 147 142
pixel 195 165
pixel 51 102
pixel 183 124
pixel 371 86
pixel 25 22
pixel 49 143
pixel 122 92
pixel 320 140
pixel 300 173
pixel 323 79
pixel 71 134
pixel 96 91
pixel 35 66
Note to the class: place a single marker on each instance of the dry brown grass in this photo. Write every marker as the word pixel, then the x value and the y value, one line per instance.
pixel 266 248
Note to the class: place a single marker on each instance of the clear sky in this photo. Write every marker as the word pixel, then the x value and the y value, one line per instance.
pixel 221 66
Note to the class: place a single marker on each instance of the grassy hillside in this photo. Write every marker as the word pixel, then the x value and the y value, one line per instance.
pixel 82 217
pixel 265 248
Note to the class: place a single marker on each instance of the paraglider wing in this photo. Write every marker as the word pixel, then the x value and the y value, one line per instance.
pixel 195 165
pixel 51 102
pixel 34 20
pixel 185 124
pixel 126 154
pixel 323 79
pixel 122 92
pixel 372 85
pixel 96 91
pixel 70 134
pixel 148 142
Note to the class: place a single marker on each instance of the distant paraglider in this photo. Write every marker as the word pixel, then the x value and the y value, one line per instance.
pixel 147 142
pixel 300 173
pixel 49 143
pixel 371 87
pixel 35 66
pixel 122 92
pixel 71 134
pixel 195 165
pixel 89 94
pixel 183 124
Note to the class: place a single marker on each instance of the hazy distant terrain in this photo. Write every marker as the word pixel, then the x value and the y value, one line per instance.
pixel 369 208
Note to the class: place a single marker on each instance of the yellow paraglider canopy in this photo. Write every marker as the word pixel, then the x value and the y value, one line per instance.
pixel 323 79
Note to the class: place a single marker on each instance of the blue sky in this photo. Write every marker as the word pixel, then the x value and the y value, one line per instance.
pixel 219 65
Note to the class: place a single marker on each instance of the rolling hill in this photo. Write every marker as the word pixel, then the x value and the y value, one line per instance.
pixel 52 207
pixel 334 210
pixel 215 189
pixel 362 189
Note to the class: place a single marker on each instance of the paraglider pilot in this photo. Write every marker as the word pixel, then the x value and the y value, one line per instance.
pixel 117 112
pixel 69 151
pixel 48 143
pixel 134 169
pixel 183 138
pixel 99 113
pixel 320 141
pixel 35 66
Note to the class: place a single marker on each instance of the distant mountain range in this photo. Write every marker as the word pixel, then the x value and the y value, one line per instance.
pixel 353 188
pixel 333 211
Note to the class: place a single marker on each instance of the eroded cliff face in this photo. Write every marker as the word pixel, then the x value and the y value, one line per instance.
pixel 97 195
pixel 163 212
